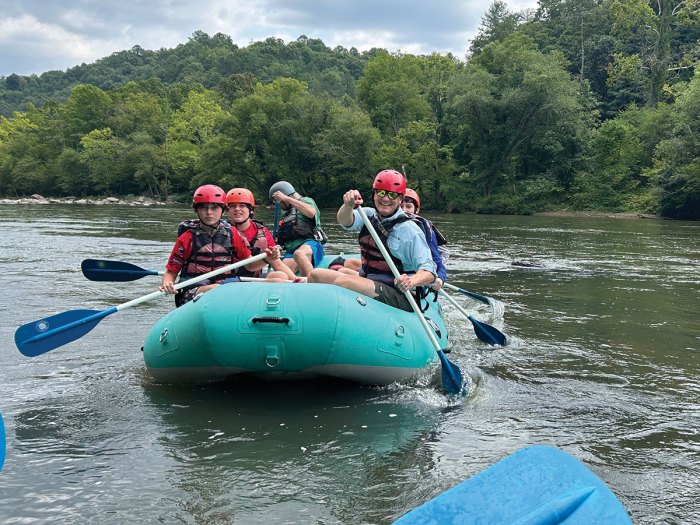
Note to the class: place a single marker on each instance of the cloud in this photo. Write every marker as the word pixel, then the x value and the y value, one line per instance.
pixel 37 36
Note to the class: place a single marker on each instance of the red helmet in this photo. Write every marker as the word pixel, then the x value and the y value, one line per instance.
pixel 240 196
pixel 209 193
pixel 411 194
pixel 390 180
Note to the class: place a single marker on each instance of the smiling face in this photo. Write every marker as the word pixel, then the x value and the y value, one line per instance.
pixel 209 213
pixel 238 212
pixel 385 205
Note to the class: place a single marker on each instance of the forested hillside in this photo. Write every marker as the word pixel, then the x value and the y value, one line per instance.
pixel 587 105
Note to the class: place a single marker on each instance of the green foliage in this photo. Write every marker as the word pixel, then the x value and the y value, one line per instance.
pixel 585 105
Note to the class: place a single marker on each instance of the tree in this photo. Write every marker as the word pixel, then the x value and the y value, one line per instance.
pixel 676 169
pixel 496 25
pixel 87 108
pixel 391 92
pixel 191 127
pixel 515 112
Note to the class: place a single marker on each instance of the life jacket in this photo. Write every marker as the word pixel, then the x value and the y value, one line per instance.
pixel 292 228
pixel 373 264
pixel 209 252
pixel 257 245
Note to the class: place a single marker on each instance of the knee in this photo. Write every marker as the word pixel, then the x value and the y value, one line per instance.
pixel 299 255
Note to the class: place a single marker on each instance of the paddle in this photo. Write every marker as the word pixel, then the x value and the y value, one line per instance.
pixel 102 270
pixel 277 218
pixel 536 485
pixel 451 374
pixel 40 336
pixel 486 333
pixel 493 303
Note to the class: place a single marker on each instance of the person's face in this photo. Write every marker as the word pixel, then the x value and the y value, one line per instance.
pixel 209 213
pixel 386 202
pixel 238 212
pixel 409 205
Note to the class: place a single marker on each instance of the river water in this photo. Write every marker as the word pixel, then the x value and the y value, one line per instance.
pixel 602 361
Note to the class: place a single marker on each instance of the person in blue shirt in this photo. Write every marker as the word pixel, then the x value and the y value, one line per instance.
pixel 436 241
pixel 402 237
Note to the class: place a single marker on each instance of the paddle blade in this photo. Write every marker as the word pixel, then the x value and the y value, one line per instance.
pixel 113 271
pixel 38 337
pixel 487 333
pixel 452 380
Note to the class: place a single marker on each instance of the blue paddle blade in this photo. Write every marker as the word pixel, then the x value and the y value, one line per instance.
pixel 487 333
pixel 38 337
pixel 452 380
pixel 113 271
pixel 536 485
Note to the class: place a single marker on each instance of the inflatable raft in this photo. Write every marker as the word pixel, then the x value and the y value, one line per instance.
pixel 291 331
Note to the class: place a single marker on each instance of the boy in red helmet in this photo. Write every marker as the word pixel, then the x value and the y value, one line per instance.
pixel 402 237
pixel 436 241
pixel 207 244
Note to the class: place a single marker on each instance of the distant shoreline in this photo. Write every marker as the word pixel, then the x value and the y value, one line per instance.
pixel 604 214
pixel 146 201
pixel 128 201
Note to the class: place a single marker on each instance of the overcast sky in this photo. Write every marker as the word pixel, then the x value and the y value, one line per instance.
pixel 43 35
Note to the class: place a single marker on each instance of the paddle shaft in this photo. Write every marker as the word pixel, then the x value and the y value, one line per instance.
pixel 97 316
pixel 480 298
pixel 395 272
pixel 485 332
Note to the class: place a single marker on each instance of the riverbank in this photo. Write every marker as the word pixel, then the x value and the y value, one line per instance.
pixel 606 214
pixel 127 201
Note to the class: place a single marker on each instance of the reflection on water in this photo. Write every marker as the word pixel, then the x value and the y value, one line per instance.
pixel 602 361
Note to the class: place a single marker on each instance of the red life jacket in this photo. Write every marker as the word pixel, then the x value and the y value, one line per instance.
pixel 257 245
pixel 209 252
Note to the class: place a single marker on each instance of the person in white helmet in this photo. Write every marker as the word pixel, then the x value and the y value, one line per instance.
pixel 299 231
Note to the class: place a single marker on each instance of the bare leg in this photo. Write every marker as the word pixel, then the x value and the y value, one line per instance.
pixel 303 256
pixel 277 277
pixel 353 264
pixel 356 283
pixel 291 264
pixel 322 275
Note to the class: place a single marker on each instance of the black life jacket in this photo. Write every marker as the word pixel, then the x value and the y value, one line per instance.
pixel 257 245
pixel 292 228
pixel 373 264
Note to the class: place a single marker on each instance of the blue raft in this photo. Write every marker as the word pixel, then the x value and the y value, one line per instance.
pixel 538 485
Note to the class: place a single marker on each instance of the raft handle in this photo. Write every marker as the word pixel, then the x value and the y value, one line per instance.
pixel 271 319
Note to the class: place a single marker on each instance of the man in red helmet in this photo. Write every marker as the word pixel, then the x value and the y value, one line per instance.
pixel 207 244
pixel 402 237
pixel 241 209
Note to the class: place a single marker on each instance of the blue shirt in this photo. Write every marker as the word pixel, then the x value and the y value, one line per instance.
pixel 406 241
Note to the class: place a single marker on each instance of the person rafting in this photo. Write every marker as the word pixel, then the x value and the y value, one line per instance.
pixel 436 241
pixel 207 244
pixel 404 239
pixel 299 231
pixel 241 210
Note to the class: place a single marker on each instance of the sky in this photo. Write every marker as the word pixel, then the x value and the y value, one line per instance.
pixel 43 35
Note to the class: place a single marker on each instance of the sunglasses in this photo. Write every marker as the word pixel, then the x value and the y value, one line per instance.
pixel 393 195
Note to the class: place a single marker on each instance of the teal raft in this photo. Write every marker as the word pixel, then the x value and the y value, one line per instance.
pixel 538 485
pixel 291 331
